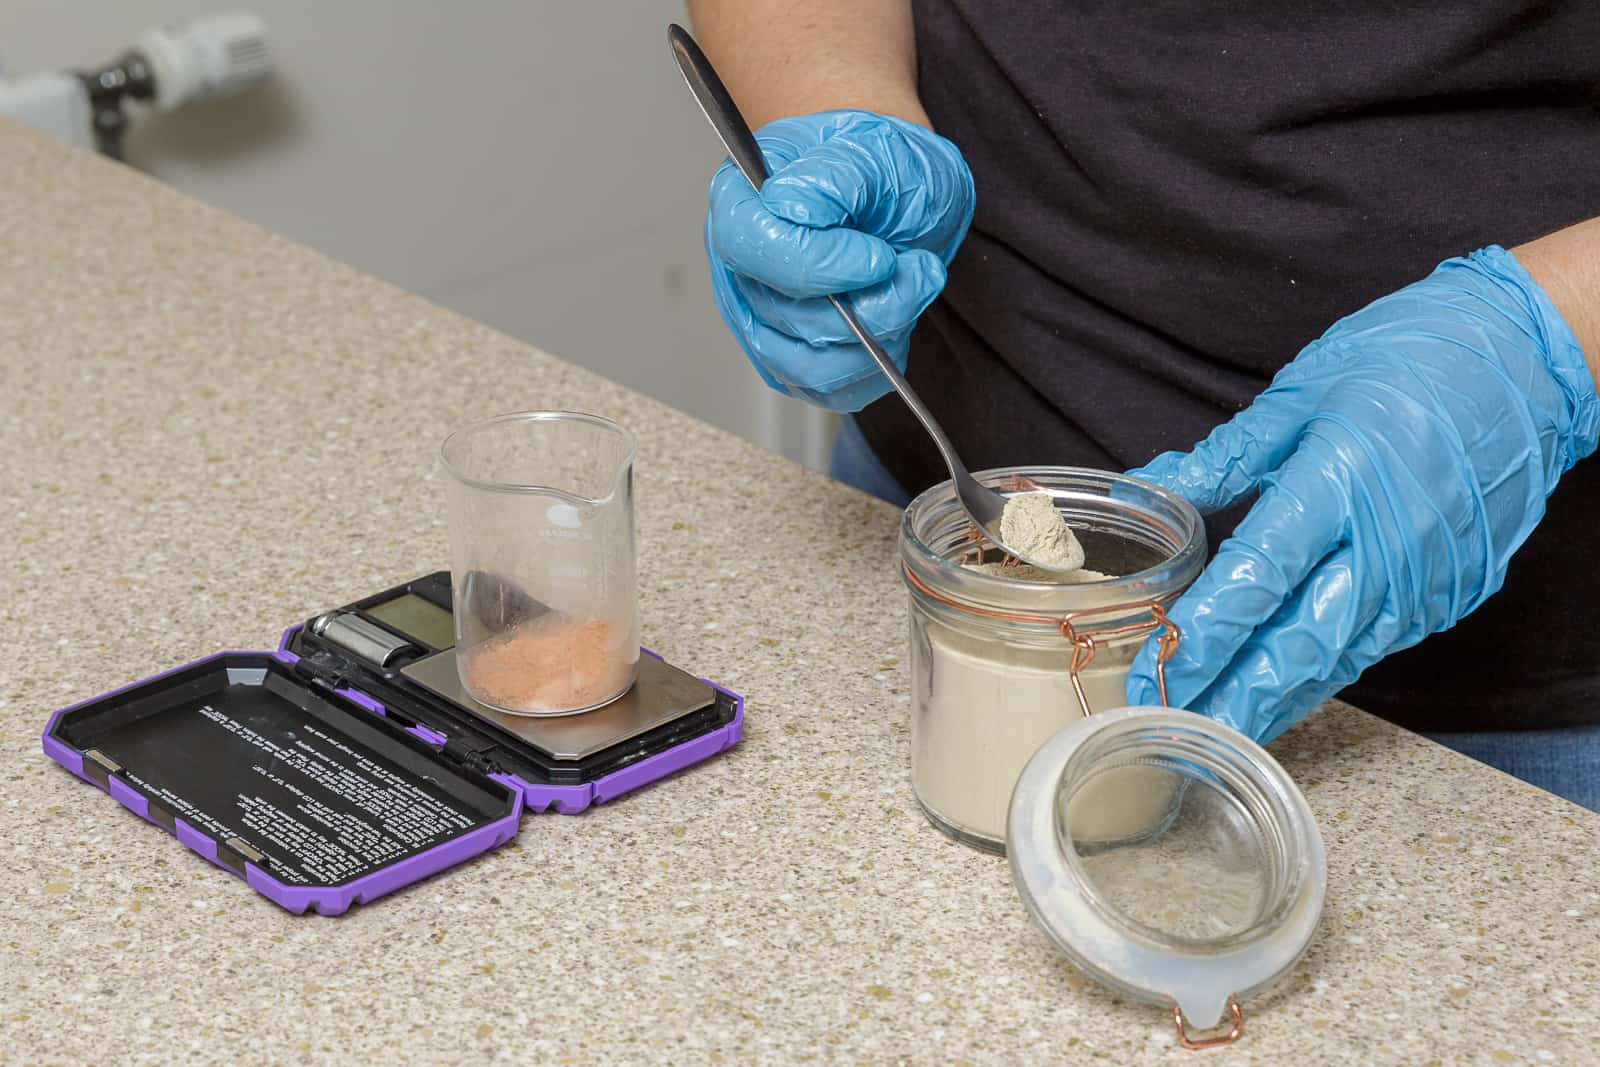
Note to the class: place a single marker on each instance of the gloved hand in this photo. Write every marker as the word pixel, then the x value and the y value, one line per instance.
pixel 858 203
pixel 1402 458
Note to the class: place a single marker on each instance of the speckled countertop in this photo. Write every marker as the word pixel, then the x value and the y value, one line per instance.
pixel 210 432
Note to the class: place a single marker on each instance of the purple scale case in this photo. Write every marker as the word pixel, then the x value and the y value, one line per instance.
pixel 324 781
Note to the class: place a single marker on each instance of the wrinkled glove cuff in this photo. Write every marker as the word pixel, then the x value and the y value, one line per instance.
pixel 1578 424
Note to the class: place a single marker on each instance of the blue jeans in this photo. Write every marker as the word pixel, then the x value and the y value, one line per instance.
pixel 855 463
pixel 1565 762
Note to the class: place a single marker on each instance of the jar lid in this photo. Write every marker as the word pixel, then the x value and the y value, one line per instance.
pixel 1169 857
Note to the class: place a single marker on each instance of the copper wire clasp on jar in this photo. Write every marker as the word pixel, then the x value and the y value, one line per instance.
pixel 1083 642
pixel 1196 1044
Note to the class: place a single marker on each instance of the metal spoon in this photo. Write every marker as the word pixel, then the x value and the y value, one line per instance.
pixel 982 504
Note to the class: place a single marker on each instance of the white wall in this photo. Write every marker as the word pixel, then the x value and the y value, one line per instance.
pixel 538 166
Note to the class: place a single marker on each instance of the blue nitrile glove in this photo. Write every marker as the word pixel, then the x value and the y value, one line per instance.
pixel 857 203
pixel 1401 458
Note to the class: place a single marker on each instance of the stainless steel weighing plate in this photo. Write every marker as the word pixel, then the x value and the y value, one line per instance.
pixel 661 694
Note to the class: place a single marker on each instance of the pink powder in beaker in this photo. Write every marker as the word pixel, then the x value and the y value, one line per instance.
pixel 552 663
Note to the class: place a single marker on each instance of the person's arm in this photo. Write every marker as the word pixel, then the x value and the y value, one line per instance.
pixel 1566 264
pixel 798 57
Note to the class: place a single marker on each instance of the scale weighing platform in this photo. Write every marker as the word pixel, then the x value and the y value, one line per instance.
pixel 350 762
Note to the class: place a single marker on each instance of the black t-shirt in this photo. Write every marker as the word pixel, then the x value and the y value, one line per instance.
pixel 1175 196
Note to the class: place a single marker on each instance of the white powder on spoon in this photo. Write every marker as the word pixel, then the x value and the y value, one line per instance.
pixel 1033 527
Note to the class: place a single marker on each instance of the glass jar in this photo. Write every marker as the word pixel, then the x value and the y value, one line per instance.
pixel 999 665
pixel 1214 900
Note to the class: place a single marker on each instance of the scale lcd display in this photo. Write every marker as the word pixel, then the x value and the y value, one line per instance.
pixel 417 619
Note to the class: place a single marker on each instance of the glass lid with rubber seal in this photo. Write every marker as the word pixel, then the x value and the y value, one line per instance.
pixel 1170 858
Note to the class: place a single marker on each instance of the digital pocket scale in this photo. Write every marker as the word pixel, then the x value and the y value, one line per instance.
pixel 350 762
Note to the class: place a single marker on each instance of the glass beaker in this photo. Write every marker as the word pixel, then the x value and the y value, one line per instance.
pixel 542 566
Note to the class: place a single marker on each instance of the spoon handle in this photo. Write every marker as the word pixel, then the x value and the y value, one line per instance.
pixel 966 485
pixel 717 103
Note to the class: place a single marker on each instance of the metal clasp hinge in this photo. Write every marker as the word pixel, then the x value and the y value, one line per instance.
pixel 1083 645
pixel 1210 1042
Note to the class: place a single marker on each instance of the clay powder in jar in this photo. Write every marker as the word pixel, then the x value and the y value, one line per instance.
pixel 989 706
